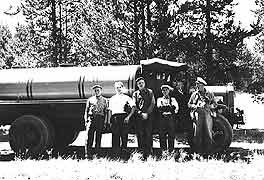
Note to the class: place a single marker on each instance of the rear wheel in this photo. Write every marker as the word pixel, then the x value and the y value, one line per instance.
pixel 30 134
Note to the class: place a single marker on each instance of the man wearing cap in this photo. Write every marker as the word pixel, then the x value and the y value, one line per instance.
pixel 168 107
pixel 145 102
pixel 201 102
pixel 95 117
pixel 119 118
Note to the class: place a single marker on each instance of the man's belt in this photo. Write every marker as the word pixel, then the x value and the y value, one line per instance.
pixel 94 115
pixel 119 114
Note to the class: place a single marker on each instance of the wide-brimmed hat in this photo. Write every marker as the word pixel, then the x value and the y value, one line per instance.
pixel 140 78
pixel 201 81
pixel 166 86
pixel 96 86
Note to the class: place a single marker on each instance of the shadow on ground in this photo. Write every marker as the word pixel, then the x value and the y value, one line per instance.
pixel 185 153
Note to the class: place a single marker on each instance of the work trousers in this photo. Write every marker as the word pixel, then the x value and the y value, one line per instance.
pixel 96 125
pixel 183 122
pixel 203 140
pixel 167 127
pixel 144 135
pixel 119 131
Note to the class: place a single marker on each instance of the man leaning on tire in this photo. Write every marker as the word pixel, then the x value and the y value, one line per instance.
pixel 201 102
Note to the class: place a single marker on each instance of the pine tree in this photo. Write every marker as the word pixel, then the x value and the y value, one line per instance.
pixel 6 53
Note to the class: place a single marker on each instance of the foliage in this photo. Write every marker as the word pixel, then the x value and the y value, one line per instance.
pixel 254 65
pixel 201 33
pixel 6 57
pixel 260 38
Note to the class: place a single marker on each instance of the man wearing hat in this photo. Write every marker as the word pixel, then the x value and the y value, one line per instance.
pixel 95 117
pixel 145 102
pixel 168 107
pixel 201 102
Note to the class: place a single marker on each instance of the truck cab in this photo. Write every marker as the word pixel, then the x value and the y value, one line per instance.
pixel 225 95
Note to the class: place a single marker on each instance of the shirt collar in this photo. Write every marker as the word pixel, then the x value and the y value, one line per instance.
pixel 98 97
pixel 180 91
pixel 166 97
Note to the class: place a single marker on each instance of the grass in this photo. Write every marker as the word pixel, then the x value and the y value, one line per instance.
pixel 133 169
pixel 229 166
pixel 249 135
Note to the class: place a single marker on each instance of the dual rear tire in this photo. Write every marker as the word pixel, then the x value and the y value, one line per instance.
pixel 33 135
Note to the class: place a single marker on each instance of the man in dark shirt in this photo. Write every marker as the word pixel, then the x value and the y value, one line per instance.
pixel 182 98
pixel 145 102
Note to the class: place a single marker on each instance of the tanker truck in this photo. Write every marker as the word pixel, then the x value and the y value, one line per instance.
pixel 45 106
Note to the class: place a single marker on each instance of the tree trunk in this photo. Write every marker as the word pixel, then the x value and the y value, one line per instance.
pixel 60 40
pixel 149 26
pixel 209 48
pixel 54 34
pixel 136 31
pixel 65 46
pixel 143 40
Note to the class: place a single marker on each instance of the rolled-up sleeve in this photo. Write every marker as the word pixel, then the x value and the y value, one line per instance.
pixel 191 103
pixel 175 104
pixel 110 106
pixel 159 104
pixel 131 102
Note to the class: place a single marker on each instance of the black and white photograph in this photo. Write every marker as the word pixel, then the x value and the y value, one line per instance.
pixel 132 89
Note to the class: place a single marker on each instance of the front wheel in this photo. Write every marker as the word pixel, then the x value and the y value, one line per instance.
pixel 222 133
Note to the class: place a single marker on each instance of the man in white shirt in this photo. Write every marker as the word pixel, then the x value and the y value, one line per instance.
pixel 168 107
pixel 119 118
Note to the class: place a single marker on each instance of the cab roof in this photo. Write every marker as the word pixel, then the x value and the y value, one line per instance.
pixel 157 64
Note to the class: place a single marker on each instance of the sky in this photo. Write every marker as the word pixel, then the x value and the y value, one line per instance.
pixel 243 13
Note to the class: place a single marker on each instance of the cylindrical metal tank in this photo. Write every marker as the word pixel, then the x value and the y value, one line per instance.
pixel 64 82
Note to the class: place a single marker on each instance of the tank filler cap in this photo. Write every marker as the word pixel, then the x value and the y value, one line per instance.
pixel 66 65
pixel 230 87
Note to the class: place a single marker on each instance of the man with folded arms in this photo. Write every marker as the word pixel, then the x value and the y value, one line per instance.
pixel 168 108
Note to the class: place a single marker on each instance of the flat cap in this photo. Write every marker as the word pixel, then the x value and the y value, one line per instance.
pixel 201 81
pixel 140 78
pixel 166 86
pixel 96 86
